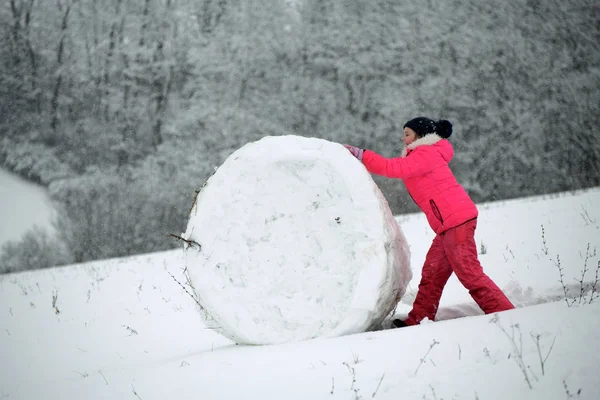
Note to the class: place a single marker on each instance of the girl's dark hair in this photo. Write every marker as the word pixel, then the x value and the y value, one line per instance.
pixel 423 126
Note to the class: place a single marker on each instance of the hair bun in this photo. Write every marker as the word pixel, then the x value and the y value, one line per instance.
pixel 444 128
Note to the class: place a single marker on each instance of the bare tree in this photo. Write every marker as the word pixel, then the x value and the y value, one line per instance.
pixel 65 9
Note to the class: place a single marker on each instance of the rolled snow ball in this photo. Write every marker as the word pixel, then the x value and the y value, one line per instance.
pixel 291 239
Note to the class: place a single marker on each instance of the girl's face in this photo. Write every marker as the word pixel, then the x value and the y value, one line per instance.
pixel 409 136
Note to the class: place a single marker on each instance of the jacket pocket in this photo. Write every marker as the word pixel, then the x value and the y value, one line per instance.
pixel 436 211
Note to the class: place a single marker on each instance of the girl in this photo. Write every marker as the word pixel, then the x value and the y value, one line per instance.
pixel 423 166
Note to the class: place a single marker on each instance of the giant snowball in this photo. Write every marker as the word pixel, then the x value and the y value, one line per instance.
pixel 291 239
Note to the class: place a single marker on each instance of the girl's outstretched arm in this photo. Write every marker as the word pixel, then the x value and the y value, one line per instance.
pixel 398 167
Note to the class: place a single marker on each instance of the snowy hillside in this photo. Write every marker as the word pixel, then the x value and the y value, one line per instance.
pixel 23 205
pixel 125 329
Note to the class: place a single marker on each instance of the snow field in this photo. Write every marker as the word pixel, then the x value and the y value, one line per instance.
pixel 125 327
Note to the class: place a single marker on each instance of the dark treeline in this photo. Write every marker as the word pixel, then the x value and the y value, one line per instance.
pixel 124 108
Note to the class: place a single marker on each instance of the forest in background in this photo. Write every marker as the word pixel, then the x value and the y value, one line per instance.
pixel 124 108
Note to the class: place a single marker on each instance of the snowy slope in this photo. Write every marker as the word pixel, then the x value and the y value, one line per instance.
pixel 23 205
pixel 123 328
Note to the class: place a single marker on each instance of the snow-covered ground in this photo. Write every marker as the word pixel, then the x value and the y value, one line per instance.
pixel 22 206
pixel 125 329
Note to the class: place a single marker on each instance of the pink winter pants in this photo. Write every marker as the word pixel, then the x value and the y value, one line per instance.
pixel 455 251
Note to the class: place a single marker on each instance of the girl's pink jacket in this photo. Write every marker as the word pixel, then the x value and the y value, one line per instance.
pixel 423 166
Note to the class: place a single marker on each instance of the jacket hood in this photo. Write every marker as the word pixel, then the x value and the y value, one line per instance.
pixel 442 146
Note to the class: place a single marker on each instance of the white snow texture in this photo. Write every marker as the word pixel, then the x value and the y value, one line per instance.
pixel 296 241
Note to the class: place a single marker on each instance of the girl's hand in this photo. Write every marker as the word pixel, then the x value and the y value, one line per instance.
pixel 355 151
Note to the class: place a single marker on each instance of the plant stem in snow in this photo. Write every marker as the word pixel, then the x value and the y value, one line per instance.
pixel 581 287
pixel 545 248
pixel 355 390
pixel 517 348
pixel 568 392
pixel 135 393
pixel 185 289
pixel 536 338
pixel 433 392
pixel 533 373
pixel 103 377
pixel 562 282
pixel 188 281
pixel 355 358
pixel 332 384
pixel 378 385
pixel 190 243
pixel 54 299
pixel 594 285
pixel 196 192
pixel 431 346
